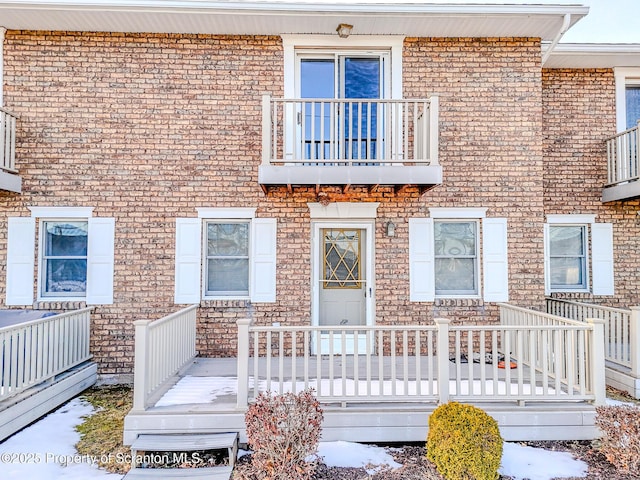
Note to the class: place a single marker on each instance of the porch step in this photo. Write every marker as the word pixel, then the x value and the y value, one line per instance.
pixel 184 443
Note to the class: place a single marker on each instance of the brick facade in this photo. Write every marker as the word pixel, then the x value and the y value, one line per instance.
pixel 146 128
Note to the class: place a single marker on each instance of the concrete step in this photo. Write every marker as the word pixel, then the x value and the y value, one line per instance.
pixel 210 473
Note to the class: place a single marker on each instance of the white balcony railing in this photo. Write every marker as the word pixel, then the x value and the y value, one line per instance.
pixel 7 141
pixel 349 132
pixel 36 351
pixel 622 156
pixel 162 348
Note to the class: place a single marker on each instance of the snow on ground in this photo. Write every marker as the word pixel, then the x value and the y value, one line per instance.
pixel 45 451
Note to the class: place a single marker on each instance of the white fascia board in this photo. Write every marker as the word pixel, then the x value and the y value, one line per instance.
pixel 596 55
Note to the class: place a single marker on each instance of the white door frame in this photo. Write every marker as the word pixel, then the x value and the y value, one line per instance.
pixel 369 227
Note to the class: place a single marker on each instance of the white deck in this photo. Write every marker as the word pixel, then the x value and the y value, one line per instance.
pixel 204 401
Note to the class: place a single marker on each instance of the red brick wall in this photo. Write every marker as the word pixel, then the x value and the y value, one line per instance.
pixel 146 128
pixel 579 114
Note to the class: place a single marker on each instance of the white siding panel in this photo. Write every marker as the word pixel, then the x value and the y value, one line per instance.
pixel 421 260
pixel 263 260
pixel 495 260
pixel 602 252
pixel 100 250
pixel 20 260
pixel 188 273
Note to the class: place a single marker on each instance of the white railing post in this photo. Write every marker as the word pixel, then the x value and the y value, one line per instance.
pixel 140 384
pixel 634 340
pixel 243 363
pixel 443 358
pixel 598 361
pixel 434 133
pixel 266 130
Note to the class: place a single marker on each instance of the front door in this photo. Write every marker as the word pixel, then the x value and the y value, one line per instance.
pixel 344 293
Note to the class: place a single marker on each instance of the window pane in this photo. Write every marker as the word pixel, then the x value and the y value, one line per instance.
pixel 227 239
pixel 455 275
pixel 567 272
pixel 228 275
pixel 65 275
pixel 455 239
pixel 566 240
pixel 317 78
pixel 633 106
pixel 66 239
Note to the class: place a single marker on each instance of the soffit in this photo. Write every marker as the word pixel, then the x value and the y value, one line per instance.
pixel 413 19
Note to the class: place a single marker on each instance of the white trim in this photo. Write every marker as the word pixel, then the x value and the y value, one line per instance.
pixel 624 76
pixel 61 212
pixel 456 212
pixel 392 43
pixel 221 212
pixel 581 219
pixel 344 210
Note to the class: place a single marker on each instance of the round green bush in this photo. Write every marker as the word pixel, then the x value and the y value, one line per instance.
pixel 464 442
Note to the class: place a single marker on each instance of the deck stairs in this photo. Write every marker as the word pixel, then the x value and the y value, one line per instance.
pixel 172 443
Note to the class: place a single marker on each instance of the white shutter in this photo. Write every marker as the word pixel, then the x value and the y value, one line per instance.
pixel 21 244
pixel 100 261
pixel 547 262
pixel 188 260
pixel 602 258
pixel 421 260
pixel 263 260
pixel 495 260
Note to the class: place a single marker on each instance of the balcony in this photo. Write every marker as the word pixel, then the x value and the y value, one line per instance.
pixel 622 166
pixel 9 178
pixel 349 142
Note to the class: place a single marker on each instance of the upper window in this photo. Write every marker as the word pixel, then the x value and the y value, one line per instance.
pixel 627 97
pixel 64 258
pixel 456 257
pixel 227 258
pixel 568 257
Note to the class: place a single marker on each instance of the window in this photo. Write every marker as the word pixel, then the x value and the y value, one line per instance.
pixel 456 257
pixel 568 257
pixel 627 97
pixel 578 255
pixel 227 259
pixel 445 259
pixel 64 258
pixel 75 253
pixel 225 254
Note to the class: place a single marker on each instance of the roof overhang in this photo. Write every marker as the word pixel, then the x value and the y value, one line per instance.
pixel 261 17
pixel 573 55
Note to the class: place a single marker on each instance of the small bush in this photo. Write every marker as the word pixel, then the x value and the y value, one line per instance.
pixel 621 441
pixel 283 431
pixel 464 443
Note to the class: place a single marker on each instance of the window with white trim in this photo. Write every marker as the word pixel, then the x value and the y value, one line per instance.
pixel 446 259
pixel 75 256
pixel 578 255
pixel 225 254
pixel 627 97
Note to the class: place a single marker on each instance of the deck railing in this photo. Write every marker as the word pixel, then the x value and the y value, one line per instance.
pixel 36 351
pixel 349 131
pixel 162 349
pixel 621 329
pixel 622 156
pixel 555 361
pixel 7 141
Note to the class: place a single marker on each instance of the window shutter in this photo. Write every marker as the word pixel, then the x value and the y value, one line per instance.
pixel 547 262
pixel 495 260
pixel 20 260
pixel 188 260
pixel 100 250
pixel 421 260
pixel 602 261
pixel 263 260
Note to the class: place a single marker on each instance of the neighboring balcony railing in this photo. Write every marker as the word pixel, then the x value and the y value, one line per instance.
pixel 622 156
pixel 7 141
pixel 350 141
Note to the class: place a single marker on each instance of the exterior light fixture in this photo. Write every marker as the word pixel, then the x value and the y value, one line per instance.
pixel 344 30
pixel 391 229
